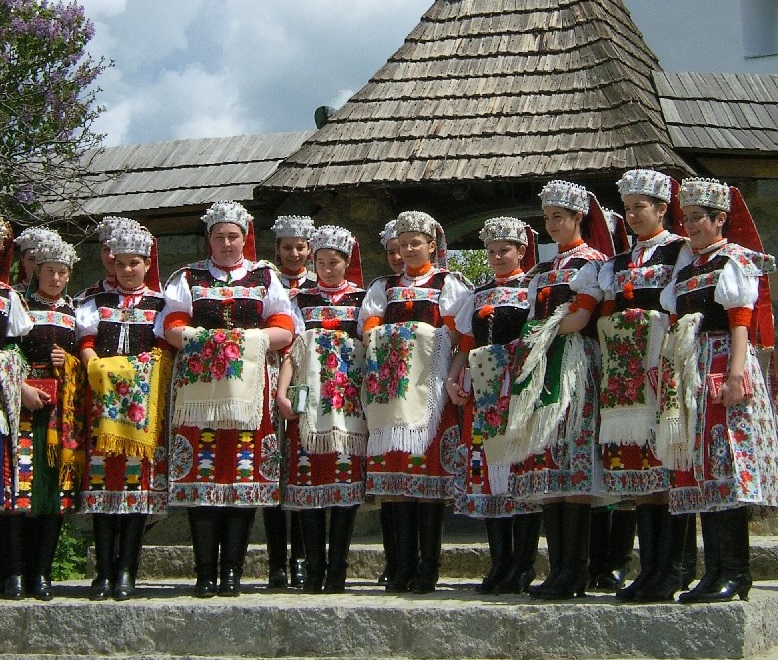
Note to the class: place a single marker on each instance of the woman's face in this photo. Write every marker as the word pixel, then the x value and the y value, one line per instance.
pixel 393 256
pixel 293 252
pixel 562 224
pixel 28 264
pixel 226 241
pixel 701 228
pixel 416 248
pixel 330 266
pixel 108 262
pixel 644 214
pixel 504 256
pixel 52 278
pixel 131 270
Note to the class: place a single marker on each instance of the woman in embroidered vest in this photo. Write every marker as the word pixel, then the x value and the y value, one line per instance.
pixel 128 367
pixel 292 253
pixel 15 322
pixel 500 310
pixel 631 329
pixel 326 452
pixel 394 260
pixel 106 229
pixel 27 241
pixel 410 324
pixel 224 314
pixel 42 475
pixel 552 415
pixel 716 425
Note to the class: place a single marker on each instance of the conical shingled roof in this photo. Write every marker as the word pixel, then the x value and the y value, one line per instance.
pixel 494 90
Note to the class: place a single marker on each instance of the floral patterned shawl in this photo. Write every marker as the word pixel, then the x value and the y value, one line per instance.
pixel 403 394
pixel 13 370
pixel 331 363
pixel 630 342
pixel 128 410
pixel 67 426
pixel 219 379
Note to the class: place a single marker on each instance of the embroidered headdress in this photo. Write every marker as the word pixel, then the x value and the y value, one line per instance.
pixel 6 231
pixel 292 226
pixel 135 242
pixel 646 182
pixel 6 249
pixel 32 236
pixel 55 250
pixel 565 194
pixel 115 223
pixel 709 193
pixel 231 212
pixel 389 232
pixel 419 221
pixel 333 237
pixel 504 228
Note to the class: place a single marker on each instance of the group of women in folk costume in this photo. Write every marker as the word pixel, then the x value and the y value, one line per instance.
pixel 609 373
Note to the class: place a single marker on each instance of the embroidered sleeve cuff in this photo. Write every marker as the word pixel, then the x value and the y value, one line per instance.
pixel 370 323
pixel 449 322
pixel 176 320
pixel 739 316
pixel 584 301
pixel 88 341
pixel 466 343
pixel 283 321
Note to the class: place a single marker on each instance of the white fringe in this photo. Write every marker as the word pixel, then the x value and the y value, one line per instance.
pixel 499 475
pixel 627 426
pixel 226 414
pixel 414 440
pixel 335 440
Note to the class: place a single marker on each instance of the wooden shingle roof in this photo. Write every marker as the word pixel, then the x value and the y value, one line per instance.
pixel 497 89
pixel 183 173
pixel 720 111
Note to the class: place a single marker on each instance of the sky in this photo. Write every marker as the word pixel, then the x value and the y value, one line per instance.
pixel 215 68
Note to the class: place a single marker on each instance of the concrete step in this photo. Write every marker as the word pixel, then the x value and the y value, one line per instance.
pixel 165 621
pixel 366 560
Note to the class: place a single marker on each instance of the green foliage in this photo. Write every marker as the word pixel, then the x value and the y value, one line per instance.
pixel 473 264
pixel 70 558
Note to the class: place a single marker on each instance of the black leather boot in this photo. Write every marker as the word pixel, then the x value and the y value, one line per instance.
pixel 499 534
pixel 15 551
pixel 574 576
pixel 598 544
pixel 48 528
pixel 430 538
pixel 711 550
pixel 552 523
pixel 621 542
pixel 689 563
pixel 315 538
pixel 734 577
pixel 648 520
pixel 131 529
pixel 236 533
pixel 406 534
pixel 666 580
pixel 526 535
pixel 275 535
pixel 3 542
pixel 341 528
pixel 297 564
pixel 104 529
pixel 386 517
pixel 205 528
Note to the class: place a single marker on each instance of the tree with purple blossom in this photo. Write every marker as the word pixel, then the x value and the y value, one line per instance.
pixel 47 109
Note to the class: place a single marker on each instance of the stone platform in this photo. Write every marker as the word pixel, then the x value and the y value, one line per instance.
pixel 165 621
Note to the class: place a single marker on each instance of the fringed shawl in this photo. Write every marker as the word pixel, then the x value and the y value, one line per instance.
pixel 66 435
pixel 13 370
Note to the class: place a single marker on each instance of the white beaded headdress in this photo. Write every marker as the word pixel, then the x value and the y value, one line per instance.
pixel 709 193
pixel 115 223
pixel 504 228
pixel 135 242
pixel 389 232
pixel 293 226
pixel 416 221
pixel 565 194
pixel 6 231
pixel 646 182
pixel 231 212
pixel 55 250
pixel 612 218
pixel 334 238
pixel 32 236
